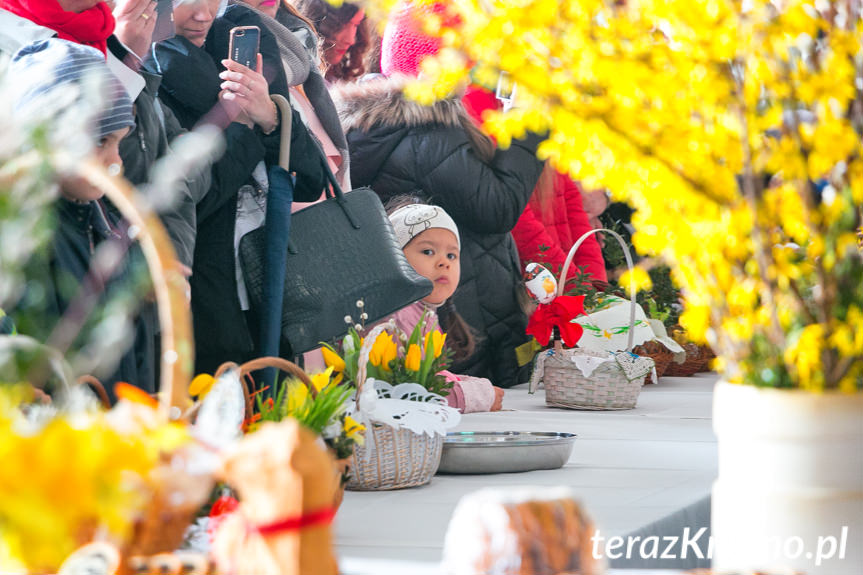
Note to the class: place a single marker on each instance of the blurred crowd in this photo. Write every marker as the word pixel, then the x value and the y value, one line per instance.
pixel 164 69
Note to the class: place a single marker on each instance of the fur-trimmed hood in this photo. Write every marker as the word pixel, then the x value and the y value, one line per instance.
pixel 381 103
pixel 401 147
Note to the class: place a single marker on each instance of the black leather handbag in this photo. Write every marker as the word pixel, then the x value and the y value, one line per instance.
pixel 341 251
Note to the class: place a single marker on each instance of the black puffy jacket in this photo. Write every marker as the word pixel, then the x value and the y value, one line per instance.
pixel 398 146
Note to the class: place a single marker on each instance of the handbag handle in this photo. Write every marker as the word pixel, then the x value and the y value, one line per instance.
pixel 568 261
pixel 334 190
pixel 363 358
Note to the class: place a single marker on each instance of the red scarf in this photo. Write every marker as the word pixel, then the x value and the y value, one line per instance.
pixel 90 27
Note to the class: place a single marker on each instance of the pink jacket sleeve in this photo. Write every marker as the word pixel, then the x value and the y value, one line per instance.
pixel 469 394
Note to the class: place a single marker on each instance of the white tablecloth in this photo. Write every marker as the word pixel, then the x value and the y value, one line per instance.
pixel 628 468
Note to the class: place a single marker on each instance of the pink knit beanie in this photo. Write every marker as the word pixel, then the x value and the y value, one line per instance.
pixel 405 44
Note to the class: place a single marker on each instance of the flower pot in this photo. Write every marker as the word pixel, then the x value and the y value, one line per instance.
pixel 790 487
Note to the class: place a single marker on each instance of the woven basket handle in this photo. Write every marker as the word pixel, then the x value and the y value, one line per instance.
pixel 260 363
pixel 97 387
pixel 561 284
pixel 363 358
pixel 168 285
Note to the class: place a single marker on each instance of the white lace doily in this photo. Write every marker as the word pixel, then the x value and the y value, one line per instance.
pixel 404 406
pixel 588 363
pixel 220 417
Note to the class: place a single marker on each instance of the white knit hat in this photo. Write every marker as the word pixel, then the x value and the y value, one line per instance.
pixel 411 220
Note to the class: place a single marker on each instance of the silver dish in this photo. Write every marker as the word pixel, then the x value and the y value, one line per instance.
pixel 478 452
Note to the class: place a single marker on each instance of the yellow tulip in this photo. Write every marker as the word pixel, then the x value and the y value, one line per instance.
pixel 413 358
pixel 434 340
pixel 321 380
pixel 333 360
pixel 353 429
pixel 298 395
pixel 383 351
pixel 390 353
pixel 201 385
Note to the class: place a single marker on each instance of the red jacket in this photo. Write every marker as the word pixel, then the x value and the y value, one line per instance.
pixel 566 222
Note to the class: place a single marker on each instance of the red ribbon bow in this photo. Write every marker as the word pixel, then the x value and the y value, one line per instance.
pixel 227 505
pixel 559 313
pixel 320 517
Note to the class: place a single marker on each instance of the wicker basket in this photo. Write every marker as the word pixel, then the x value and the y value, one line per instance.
pixel 169 287
pixel 246 370
pixel 394 459
pixel 607 387
pixel 690 366
pixel 661 356
pixel 391 458
pixel 707 355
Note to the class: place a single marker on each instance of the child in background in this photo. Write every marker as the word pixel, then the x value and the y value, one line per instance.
pixel 431 243
pixel 56 79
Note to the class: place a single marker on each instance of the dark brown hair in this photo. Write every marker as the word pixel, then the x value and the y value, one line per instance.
pixel 328 20
pixel 460 337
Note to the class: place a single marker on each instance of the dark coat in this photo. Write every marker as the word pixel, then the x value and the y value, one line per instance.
pixel 400 147
pixel 190 87
pixel 55 279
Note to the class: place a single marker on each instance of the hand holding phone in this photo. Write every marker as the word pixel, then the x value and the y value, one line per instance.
pixel 243 45
pixel 245 88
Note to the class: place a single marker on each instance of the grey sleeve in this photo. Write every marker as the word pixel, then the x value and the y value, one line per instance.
pixel 181 221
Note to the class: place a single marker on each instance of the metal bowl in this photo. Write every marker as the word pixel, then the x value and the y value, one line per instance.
pixel 478 452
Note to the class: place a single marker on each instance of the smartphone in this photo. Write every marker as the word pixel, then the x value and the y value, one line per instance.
pixel 164 20
pixel 243 45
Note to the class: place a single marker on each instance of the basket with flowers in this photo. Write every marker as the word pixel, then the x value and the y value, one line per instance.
pixel 132 484
pixel 398 400
pixel 318 402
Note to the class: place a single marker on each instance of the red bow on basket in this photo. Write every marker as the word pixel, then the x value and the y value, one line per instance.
pixel 559 313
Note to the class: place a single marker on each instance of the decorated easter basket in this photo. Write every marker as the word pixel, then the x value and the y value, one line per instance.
pixel 261 363
pixel 394 457
pixel 577 378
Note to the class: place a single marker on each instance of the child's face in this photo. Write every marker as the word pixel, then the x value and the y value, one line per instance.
pixel 107 153
pixel 434 255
